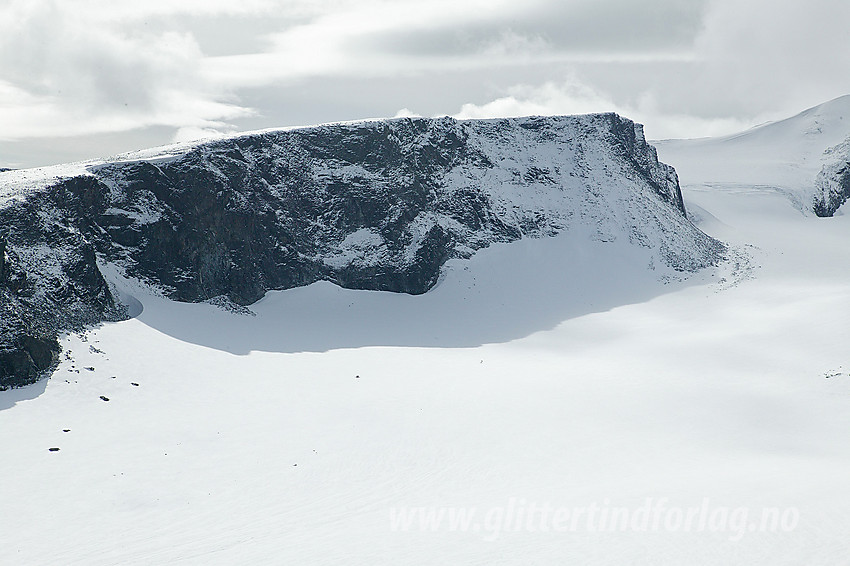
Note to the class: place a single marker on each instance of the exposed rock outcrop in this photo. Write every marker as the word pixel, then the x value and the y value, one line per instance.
pixel 374 205
pixel 833 188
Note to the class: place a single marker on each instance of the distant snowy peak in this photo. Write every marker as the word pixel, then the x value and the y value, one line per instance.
pixel 822 126
pixel 376 205
pixel 804 156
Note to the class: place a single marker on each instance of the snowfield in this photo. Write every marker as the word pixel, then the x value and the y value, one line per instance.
pixel 331 426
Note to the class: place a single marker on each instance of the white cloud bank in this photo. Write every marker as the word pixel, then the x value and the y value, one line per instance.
pixel 574 97
pixel 748 62
pixel 70 69
pixel 203 67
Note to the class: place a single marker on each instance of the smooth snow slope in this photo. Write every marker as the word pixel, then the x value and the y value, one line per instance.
pixel 292 436
pixel 784 156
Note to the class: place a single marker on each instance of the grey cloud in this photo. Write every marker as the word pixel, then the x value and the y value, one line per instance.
pixel 218 35
pixel 606 26
pixel 619 24
pixel 106 76
pixel 83 67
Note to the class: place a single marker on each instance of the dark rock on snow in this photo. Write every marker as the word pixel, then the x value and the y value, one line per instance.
pixel 834 184
pixel 375 205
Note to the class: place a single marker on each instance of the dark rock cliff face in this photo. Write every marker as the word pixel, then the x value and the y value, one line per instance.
pixel 834 184
pixel 375 205
pixel 49 282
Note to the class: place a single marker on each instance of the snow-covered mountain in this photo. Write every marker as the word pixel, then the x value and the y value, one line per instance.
pixel 804 157
pixel 549 400
pixel 374 205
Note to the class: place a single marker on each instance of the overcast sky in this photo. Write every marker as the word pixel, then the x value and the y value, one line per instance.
pixel 89 78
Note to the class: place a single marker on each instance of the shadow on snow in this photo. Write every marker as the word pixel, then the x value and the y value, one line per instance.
pixel 505 292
